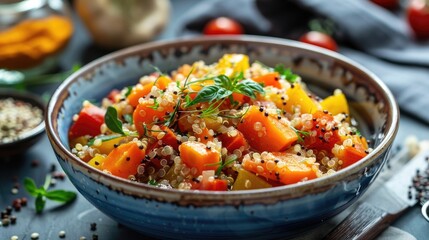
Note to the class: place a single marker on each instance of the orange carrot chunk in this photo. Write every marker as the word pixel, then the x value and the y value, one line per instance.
pixel 141 91
pixel 197 155
pixel 124 160
pixel 233 142
pixel 146 113
pixel 290 168
pixel 266 133
pixel 269 79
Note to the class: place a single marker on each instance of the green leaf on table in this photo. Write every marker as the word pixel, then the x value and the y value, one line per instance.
pixel 40 203
pixel 30 186
pixel 60 195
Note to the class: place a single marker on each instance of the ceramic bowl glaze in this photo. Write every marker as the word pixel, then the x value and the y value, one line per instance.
pixel 265 213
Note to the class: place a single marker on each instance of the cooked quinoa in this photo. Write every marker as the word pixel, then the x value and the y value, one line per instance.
pixel 229 125
pixel 16 118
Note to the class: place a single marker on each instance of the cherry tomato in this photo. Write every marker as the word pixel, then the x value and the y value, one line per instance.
pixel 223 25
pixel 319 39
pixel 388 4
pixel 418 18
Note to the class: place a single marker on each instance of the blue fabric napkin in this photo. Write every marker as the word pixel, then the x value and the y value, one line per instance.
pixel 377 38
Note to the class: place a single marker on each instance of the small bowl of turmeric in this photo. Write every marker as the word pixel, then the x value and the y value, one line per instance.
pixel 33 34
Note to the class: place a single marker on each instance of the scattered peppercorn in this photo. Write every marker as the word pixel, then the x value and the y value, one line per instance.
pixel 93 226
pixel 62 234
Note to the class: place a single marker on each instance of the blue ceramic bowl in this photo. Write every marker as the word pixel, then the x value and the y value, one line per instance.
pixel 265 213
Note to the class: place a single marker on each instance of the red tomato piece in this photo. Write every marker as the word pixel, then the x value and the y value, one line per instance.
pixel 320 141
pixel 215 185
pixel 418 18
pixel 319 39
pixel 223 25
pixel 90 119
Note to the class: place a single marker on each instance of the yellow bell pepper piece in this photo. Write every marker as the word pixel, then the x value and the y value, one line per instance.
pixel 97 161
pixel 247 180
pixel 299 98
pixel 107 146
pixel 231 64
pixel 335 104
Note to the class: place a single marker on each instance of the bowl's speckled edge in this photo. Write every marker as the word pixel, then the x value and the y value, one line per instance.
pixel 207 198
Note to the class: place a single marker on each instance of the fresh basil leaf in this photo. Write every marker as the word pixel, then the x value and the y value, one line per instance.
pixel 210 94
pixel 223 81
pixel 112 121
pixel 60 195
pixel 40 203
pixel 129 118
pixel 30 186
pixel 249 87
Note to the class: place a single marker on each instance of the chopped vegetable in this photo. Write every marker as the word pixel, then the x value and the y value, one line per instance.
pixel 265 132
pixel 197 155
pixel 88 122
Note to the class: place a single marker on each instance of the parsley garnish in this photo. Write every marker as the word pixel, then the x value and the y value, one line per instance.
pixel 286 73
pixel 42 193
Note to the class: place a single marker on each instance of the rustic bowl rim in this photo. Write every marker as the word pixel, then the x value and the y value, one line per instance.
pixel 215 197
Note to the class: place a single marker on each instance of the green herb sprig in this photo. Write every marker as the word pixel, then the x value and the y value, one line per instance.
pixel 301 134
pixel 286 73
pixel 224 87
pixel 42 193
pixel 222 164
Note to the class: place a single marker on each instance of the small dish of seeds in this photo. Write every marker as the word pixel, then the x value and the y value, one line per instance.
pixel 21 121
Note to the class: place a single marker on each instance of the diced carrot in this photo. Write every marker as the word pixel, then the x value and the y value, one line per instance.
pixel 89 122
pixel 266 133
pixel 215 185
pixel 138 92
pixel 196 155
pixel 170 138
pixel 291 168
pixel 209 184
pixel 145 114
pixel 270 79
pixel 124 160
pixel 354 153
pixel 204 136
pixel 233 142
pixel 141 91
